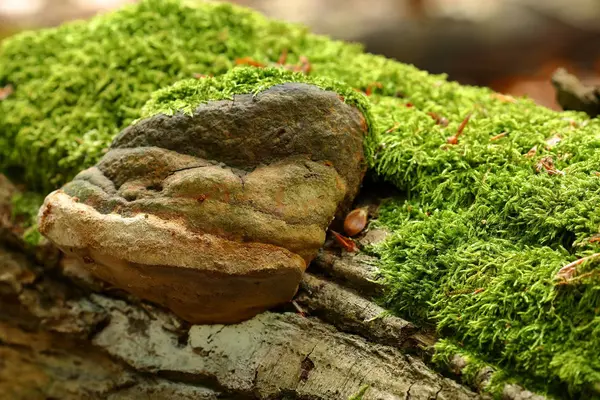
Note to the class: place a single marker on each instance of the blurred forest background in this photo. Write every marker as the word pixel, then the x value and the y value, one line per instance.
pixel 512 46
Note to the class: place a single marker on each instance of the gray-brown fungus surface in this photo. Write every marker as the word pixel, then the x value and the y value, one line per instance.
pixel 216 214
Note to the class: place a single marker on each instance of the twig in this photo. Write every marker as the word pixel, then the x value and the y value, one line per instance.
pixel 568 271
pixel 298 308
pixel 393 128
pixel 578 278
pixel 498 136
pixel 454 138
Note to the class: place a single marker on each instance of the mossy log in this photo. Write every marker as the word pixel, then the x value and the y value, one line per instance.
pixel 492 235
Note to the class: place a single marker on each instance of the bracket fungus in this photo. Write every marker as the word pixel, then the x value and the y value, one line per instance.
pixel 216 213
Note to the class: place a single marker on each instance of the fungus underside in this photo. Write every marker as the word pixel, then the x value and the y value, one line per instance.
pixel 487 223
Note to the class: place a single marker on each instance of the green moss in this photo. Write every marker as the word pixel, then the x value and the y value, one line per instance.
pixel 78 85
pixel 187 95
pixel 446 350
pixel 24 210
pixel 475 247
pixel 361 392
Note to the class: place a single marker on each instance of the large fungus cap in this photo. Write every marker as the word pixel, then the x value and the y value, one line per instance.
pixel 216 213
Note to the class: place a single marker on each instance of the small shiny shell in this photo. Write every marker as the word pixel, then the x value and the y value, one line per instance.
pixel 355 221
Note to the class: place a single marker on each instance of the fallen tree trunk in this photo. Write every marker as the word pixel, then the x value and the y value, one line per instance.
pixel 65 335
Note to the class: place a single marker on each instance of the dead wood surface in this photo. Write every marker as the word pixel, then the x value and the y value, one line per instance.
pixel 65 336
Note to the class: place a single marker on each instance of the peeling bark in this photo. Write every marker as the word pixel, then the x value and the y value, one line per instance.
pixel 268 356
pixel 358 272
pixel 132 347
pixel 352 313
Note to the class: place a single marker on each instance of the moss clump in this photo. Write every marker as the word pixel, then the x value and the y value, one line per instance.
pixel 476 247
pixel 487 224
pixel 186 95
pixel 360 394
pixel 473 370
pixel 76 86
pixel 24 210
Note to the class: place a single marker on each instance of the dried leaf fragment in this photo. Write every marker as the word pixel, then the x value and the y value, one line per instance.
pixel 6 91
pixel 504 98
pixel 249 61
pixel 283 57
pixel 547 164
pixel 202 76
pixel 305 65
pixel 531 152
pixel 553 141
pixel 570 270
pixel 347 243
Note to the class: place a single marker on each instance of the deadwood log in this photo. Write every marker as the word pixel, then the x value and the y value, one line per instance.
pixel 64 335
